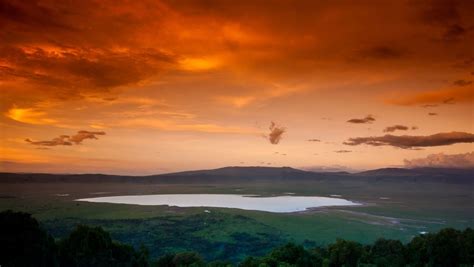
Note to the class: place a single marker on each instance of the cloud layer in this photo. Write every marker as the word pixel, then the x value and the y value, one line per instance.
pixel 67 140
pixel 410 142
pixel 395 128
pixel 367 119
pixel 62 140
pixel 343 151
pixel 465 160
pixel 458 94
pixel 276 133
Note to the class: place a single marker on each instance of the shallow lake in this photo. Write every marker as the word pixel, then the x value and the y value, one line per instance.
pixel 271 204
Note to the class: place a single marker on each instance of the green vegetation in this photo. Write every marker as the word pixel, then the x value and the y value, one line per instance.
pixel 232 234
pixel 25 243
pixel 393 209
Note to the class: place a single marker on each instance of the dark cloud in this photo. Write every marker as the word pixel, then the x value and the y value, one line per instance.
pixel 313 140
pixel 449 101
pixel 343 151
pixel 82 135
pixel 454 33
pixel 410 142
pixel 67 140
pixel 27 13
pixel 433 114
pixel 382 52
pixel 462 83
pixel 367 119
pixel 395 128
pixel 80 68
pixel 450 20
pixel 414 127
pixel 42 148
pixel 451 95
pixel 62 140
pixel 65 49
pixel 276 133
pixel 440 12
pixel 429 106
pixel 465 160
pixel 465 63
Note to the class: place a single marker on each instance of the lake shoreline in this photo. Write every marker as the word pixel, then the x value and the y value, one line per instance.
pixel 277 204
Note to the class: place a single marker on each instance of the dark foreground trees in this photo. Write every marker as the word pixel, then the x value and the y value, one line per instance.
pixel 24 243
pixel 92 246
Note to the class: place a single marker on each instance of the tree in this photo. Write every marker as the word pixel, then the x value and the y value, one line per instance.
pixel 387 253
pixel 467 244
pixel 166 260
pixel 250 262
pixel 92 246
pixel 23 242
pixel 220 264
pixel 188 259
pixel 182 259
pixel 444 248
pixel 295 255
pixel 345 253
pixel 417 250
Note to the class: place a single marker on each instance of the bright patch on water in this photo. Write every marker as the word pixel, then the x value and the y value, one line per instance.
pixel 271 204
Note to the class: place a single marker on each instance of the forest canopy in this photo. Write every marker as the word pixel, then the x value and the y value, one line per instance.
pixel 25 243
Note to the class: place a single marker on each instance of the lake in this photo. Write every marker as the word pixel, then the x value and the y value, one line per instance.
pixel 245 202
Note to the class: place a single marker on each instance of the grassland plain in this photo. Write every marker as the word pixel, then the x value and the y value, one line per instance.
pixel 390 210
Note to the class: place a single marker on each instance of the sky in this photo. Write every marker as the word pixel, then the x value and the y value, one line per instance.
pixel 145 87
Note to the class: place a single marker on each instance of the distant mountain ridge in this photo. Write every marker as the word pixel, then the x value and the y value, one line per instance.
pixel 255 174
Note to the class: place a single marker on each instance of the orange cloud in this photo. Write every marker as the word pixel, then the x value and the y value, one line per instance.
pixel 169 125
pixel 29 115
pixel 237 101
pixel 462 94
pixel 199 64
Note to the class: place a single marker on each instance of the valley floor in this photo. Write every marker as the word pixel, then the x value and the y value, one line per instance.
pixel 392 210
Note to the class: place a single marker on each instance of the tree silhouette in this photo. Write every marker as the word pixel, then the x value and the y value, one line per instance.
pixel 23 242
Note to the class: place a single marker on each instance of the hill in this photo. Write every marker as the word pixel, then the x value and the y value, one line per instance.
pixel 255 174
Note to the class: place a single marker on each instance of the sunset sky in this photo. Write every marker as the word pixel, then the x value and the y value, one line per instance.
pixel 144 87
